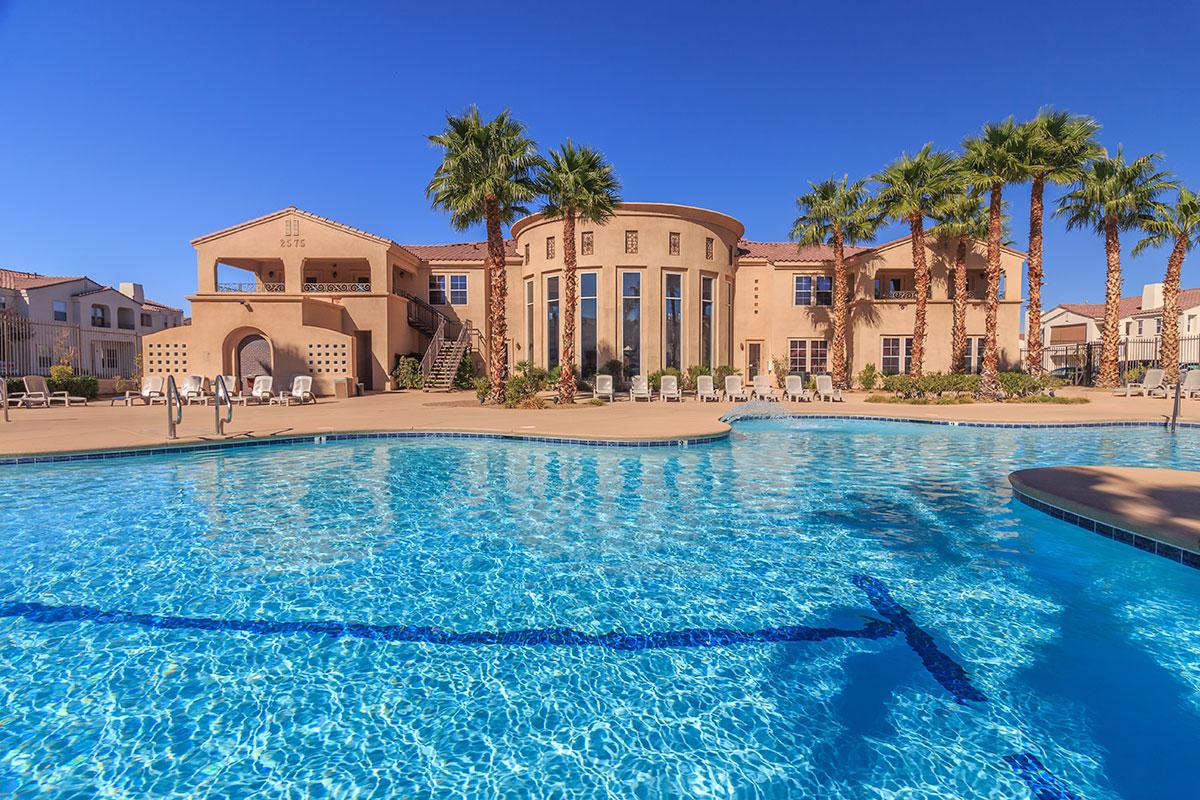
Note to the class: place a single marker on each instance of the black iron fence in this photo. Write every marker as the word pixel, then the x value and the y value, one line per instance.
pixel 32 348
pixel 1079 363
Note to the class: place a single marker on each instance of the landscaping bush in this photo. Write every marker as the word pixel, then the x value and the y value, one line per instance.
pixel 75 385
pixel 535 376
pixel 483 387
pixel 694 372
pixel 722 372
pixel 465 377
pixel 407 373
pixel 15 385
pixel 1022 384
pixel 867 377
pixel 781 367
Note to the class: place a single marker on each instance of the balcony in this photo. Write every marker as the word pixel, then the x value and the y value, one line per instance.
pixel 250 287
pixel 337 288
pixel 896 294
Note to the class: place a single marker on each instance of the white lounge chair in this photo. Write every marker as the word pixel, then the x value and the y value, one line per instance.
pixel 705 391
pixel 604 387
pixel 826 390
pixel 301 392
pixel 639 389
pixel 192 390
pixel 793 389
pixel 668 389
pixel 1151 382
pixel 152 389
pixel 734 390
pixel 263 389
pixel 1191 384
pixel 763 390
pixel 229 389
pixel 37 391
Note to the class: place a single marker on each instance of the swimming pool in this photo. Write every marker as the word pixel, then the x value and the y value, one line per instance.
pixel 821 609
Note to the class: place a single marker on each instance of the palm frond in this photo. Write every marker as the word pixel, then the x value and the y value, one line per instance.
pixel 835 208
pixel 578 180
pixel 915 185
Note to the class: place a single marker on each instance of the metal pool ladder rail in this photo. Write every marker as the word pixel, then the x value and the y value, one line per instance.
pixel 4 396
pixel 177 417
pixel 220 390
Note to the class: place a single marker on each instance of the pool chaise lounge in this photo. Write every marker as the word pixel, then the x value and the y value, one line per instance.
pixel 734 389
pixel 639 388
pixel 1151 385
pixel 669 389
pixel 793 389
pixel 826 390
pixel 603 387
pixel 705 391
pixel 37 393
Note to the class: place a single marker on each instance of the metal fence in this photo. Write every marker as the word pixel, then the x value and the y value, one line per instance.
pixel 1079 363
pixel 32 348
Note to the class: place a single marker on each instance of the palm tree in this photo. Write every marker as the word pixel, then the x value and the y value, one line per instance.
pixel 1114 195
pixel 909 188
pixel 1058 144
pixel 577 183
pixel 1179 227
pixel 961 219
pixel 485 176
pixel 989 161
pixel 837 214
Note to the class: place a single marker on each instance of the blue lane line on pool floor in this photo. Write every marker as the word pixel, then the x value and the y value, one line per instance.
pixel 1043 784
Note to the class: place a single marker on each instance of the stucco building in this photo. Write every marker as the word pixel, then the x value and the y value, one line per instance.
pixel 660 285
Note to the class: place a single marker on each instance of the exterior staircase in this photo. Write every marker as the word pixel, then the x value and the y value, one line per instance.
pixel 444 364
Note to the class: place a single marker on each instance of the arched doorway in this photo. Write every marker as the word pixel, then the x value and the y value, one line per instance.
pixel 253 357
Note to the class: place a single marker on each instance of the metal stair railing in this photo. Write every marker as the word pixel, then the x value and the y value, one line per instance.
pixel 449 366
pixel 4 396
pixel 176 418
pixel 435 347
pixel 221 390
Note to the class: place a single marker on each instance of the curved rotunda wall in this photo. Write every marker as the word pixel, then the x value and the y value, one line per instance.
pixel 679 259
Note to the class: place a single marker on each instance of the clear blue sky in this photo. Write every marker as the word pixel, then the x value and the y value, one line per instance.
pixel 128 128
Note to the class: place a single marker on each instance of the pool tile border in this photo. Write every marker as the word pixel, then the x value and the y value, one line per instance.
pixel 323 438
pixel 1116 533
pixel 969 424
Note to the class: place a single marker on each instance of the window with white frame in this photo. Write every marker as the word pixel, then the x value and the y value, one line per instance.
pixel 707 290
pixel 812 290
pixel 60 310
pixel 529 319
pixel 437 290
pixel 808 356
pixel 896 355
pixel 973 355
pixel 458 290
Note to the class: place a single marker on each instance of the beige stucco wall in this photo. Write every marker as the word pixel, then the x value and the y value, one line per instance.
pixel 654 222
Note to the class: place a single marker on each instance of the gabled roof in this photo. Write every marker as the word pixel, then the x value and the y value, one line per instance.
pixel 931 241
pixel 154 305
pixel 1126 308
pixel 300 212
pixel 14 279
pixel 457 251
pixel 1188 298
pixel 790 251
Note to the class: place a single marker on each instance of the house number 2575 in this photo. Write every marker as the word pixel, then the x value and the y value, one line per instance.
pixel 291 234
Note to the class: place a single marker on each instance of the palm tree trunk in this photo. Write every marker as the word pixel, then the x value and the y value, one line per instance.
pixel 1110 341
pixel 840 312
pixel 989 386
pixel 566 379
pixel 921 284
pixel 494 267
pixel 1033 334
pixel 959 335
pixel 1168 358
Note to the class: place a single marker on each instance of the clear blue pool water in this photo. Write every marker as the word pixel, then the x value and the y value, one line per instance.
pixel 776 616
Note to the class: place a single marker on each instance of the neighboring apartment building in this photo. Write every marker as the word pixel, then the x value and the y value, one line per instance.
pixel 1069 327
pixel 43 317
pixel 660 285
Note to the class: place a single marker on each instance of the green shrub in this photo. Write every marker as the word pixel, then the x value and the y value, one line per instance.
pixel 1048 398
pixel 693 372
pixel 535 376
pixel 407 373
pixel 1134 375
pixel 465 377
pixel 867 377
pixel 61 372
pixel 781 366
pixel 75 385
pixel 596 401
pixel 15 385
pixel 722 372
pixel 521 387
pixel 483 387
pixel 903 385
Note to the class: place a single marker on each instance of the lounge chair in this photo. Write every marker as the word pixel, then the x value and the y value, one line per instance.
pixel 1151 383
pixel 603 387
pixel 734 390
pixel 151 391
pixel 763 390
pixel 263 389
pixel 639 389
pixel 826 390
pixel 668 389
pixel 192 390
pixel 37 392
pixel 793 389
pixel 301 392
pixel 705 390
pixel 1191 384
pixel 232 391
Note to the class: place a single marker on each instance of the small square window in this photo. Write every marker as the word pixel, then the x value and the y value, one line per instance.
pixel 549 247
pixel 585 243
pixel 673 244
pixel 631 241
pixel 708 248
pixel 60 311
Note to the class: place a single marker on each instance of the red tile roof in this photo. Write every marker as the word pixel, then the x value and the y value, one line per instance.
pixel 789 251
pixel 13 279
pixel 456 251
pixel 1188 298
pixel 1132 306
pixel 154 305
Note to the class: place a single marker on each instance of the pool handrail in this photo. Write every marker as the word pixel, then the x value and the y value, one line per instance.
pixel 177 417
pixel 4 397
pixel 219 389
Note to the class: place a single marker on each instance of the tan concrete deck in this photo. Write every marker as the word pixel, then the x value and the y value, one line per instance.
pixel 101 426
pixel 1163 504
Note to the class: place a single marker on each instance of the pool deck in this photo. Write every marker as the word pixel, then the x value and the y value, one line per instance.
pixel 100 426
pixel 1161 504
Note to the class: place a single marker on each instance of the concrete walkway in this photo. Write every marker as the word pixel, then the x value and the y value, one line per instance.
pixel 1162 504
pixel 100 426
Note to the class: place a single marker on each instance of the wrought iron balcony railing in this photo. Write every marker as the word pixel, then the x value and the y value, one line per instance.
pixel 338 288
pixel 249 287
